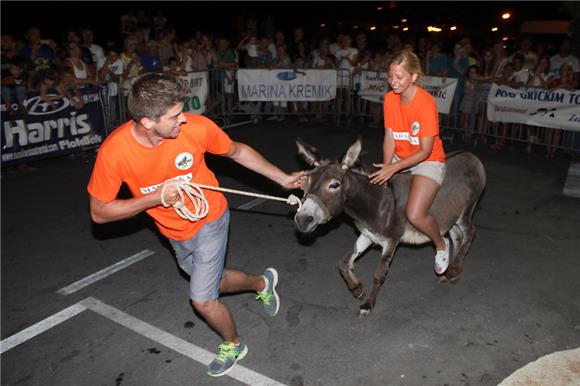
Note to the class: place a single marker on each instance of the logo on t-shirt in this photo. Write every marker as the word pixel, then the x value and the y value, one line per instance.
pixel 183 161
pixel 415 127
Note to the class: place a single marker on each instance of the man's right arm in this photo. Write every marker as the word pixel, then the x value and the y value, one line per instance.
pixel 103 212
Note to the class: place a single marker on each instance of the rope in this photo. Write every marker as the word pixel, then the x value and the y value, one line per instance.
pixel 195 194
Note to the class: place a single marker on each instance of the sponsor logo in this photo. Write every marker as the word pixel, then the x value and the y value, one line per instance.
pixel 184 161
pixel 286 75
pixel 37 106
pixel 415 127
pixel 148 189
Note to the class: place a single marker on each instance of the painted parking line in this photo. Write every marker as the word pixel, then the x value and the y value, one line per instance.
pixel 251 204
pixel 40 327
pixel 78 285
pixel 198 354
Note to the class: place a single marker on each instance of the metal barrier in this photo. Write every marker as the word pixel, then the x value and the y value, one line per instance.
pixel 224 106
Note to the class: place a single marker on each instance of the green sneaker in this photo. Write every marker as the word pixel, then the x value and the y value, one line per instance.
pixel 229 355
pixel 269 296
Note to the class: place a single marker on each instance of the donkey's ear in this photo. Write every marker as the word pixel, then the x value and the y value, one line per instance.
pixel 352 154
pixel 308 153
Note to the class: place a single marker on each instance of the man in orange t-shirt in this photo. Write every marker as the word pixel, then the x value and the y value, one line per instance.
pixel 412 143
pixel 162 144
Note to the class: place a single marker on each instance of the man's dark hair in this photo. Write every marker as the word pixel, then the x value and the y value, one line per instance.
pixel 153 94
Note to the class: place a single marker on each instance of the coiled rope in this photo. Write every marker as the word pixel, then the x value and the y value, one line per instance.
pixel 195 193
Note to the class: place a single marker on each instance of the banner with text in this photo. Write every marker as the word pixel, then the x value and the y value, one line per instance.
pixel 559 109
pixel 46 132
pixel 286 85
pixel 375 84
pixel 195 103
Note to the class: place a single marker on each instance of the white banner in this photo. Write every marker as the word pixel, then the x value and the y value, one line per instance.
pixel 559 109
pixel 195 103
pixel 286 85
pixel 442 89
pixel 374 86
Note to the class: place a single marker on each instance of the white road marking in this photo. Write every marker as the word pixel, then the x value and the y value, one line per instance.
pixel 40 327
pixel 198 354
pixel 251 204
pixel 179 345
pixel 72 288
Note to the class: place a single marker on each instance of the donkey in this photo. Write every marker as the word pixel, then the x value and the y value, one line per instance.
pixel 379 211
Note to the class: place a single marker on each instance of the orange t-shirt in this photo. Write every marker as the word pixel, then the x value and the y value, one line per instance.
pixel 409 122
pixel 122 159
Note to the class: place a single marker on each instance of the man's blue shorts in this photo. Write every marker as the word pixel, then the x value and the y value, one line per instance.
pixel 202 258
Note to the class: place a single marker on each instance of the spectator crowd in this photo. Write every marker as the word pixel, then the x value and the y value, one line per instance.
pixel 59 68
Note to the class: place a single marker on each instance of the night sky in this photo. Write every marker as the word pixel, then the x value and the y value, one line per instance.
pixel 472 18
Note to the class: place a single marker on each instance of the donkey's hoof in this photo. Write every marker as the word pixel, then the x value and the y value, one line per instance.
pixel 442 279
pixel 363 313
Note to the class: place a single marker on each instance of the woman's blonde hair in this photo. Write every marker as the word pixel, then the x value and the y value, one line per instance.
pixel 409 61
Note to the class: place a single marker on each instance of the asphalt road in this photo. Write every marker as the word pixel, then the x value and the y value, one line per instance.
pixel 518 298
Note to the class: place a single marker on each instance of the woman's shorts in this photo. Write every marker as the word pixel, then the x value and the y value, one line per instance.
pixel 433 170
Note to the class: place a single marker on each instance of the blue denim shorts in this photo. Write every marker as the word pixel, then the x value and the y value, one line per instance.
pixel 202 257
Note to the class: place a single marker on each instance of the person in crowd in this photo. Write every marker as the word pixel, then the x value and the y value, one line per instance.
pixel 437 61
pixel 132 66
pixel 205 48
pixel 159 22
pixel 565 55
pixel 14 85
pixel 51 89
pixel 469 106
pixel 501 129
pixel 110 71
pixel 83 73
pixel 167 45
pixel 72 36
pixel 71 87
pixel 174 68
pixel 530 58
pixel 501 56
pixel 249 47
pixel 346 59
pixel 488 72
pixel 362 44
pixel 394 43
pixel 417 148
pixel 8 52
pixel 141 153
pixel 473 56
pixel 282 62
pixel 128 23
pixel 566 81
pixel 521 73
pixel 335 46
pixel 458 69
pixel 298 38
pixel 39 56
pixel 225 61
pixel 150 58
pixel 96 50
pixel 540 77
pixel 317 57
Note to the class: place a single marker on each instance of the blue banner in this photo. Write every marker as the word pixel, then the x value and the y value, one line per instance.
pixel 46 131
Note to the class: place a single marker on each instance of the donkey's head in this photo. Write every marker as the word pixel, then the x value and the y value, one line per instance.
pixel 326 186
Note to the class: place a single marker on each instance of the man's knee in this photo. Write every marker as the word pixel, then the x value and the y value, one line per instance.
pixel 205 306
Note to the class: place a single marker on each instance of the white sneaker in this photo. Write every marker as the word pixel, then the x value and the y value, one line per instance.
pixel 442 259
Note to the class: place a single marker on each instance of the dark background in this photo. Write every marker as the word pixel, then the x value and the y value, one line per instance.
pixel 473 19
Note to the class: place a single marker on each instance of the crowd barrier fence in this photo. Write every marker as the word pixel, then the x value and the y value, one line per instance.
pixel 229 98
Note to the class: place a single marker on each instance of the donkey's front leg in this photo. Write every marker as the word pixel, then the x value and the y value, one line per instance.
pixel 379 277
pixel 346 266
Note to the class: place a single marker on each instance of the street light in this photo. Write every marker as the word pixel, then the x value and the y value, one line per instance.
pixel 506 15
pixel 494 29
